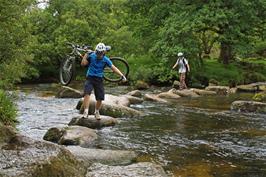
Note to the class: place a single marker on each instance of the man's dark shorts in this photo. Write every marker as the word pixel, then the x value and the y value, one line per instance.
pixel 96 84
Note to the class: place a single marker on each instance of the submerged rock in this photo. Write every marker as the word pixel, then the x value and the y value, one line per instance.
pixel 143 169
pixel 22 156
pixel 68 92
pixel 249 106
pixel 107 157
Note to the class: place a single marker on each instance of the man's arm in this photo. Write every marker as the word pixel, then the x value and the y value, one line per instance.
pixel 175 64
pixel 117 71
pixel 188 67
pixel 84 61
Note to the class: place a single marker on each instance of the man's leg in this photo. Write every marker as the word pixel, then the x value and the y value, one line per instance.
pixel 97 109
pixel 86 104
pixel 99 94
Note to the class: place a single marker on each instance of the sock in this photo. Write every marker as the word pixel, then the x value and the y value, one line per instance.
pixel 97 110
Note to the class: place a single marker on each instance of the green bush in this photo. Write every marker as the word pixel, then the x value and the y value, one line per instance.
pixel 8 111
pixel 251 77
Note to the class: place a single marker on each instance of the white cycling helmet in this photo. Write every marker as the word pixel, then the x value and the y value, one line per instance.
pixel 100 47
pixel 180 54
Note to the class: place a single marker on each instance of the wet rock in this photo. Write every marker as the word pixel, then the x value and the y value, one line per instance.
pixel 141 85
pixel 107 157
pixel 153 97
pixel 203 92
pixel 143 169
pixel 135 93
pixel 254 87
pixel 168 95
pixel 68 92
pixel 176 84
pixel 93 123
pixel 220 90
pixel 232 90
pixel 185 92
pixel 22 156
pixel 249 106
pixel 72 135
pixel 133 100
pixel 261 97
pixel 246 88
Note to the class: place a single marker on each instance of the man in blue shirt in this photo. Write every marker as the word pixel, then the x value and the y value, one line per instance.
pixel 96 61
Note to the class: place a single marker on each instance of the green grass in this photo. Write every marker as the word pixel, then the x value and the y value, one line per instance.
pixel 252 70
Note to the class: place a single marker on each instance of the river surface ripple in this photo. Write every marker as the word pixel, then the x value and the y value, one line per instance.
pixel 188 137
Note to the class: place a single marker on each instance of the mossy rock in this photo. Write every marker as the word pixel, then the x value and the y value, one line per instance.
pixel 260 97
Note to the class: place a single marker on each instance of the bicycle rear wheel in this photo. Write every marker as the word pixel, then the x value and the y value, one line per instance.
pixel 121 64
pixel 67 70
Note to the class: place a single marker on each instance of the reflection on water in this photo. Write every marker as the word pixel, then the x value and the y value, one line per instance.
pixel 189 137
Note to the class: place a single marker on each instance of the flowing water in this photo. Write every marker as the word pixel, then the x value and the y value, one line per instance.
pixel 189 137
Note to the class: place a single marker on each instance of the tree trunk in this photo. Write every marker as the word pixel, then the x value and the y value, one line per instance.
pixel 226 52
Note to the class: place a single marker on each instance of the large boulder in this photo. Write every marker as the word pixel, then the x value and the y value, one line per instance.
pixel 249 106
pixel 93 123
pixel 143 169
pixel 107 157
pixel 114 106
pixel 68 92
pixel 72 135
pixel 22 156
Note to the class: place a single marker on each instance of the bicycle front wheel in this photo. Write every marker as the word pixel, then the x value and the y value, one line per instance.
pixel 67 70
pixel 121 64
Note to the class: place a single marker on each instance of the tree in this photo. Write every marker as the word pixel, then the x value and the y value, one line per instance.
pixel 15 58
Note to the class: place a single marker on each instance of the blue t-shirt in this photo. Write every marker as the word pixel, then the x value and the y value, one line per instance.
pixel 96 66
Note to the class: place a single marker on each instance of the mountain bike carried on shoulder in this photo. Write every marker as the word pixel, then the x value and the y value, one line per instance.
pixel 67 71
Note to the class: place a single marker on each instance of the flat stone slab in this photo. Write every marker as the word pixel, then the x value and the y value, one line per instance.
pixel 249 106
pixel 144 169
pixel 107 157
pixel 92 122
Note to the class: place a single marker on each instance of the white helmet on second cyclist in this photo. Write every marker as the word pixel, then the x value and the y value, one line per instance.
pixel 180 54
pixel 100 47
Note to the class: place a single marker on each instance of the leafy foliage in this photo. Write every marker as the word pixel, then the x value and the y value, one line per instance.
pixel 8 110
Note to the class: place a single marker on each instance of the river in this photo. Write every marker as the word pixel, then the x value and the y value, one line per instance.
pixel 197 137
